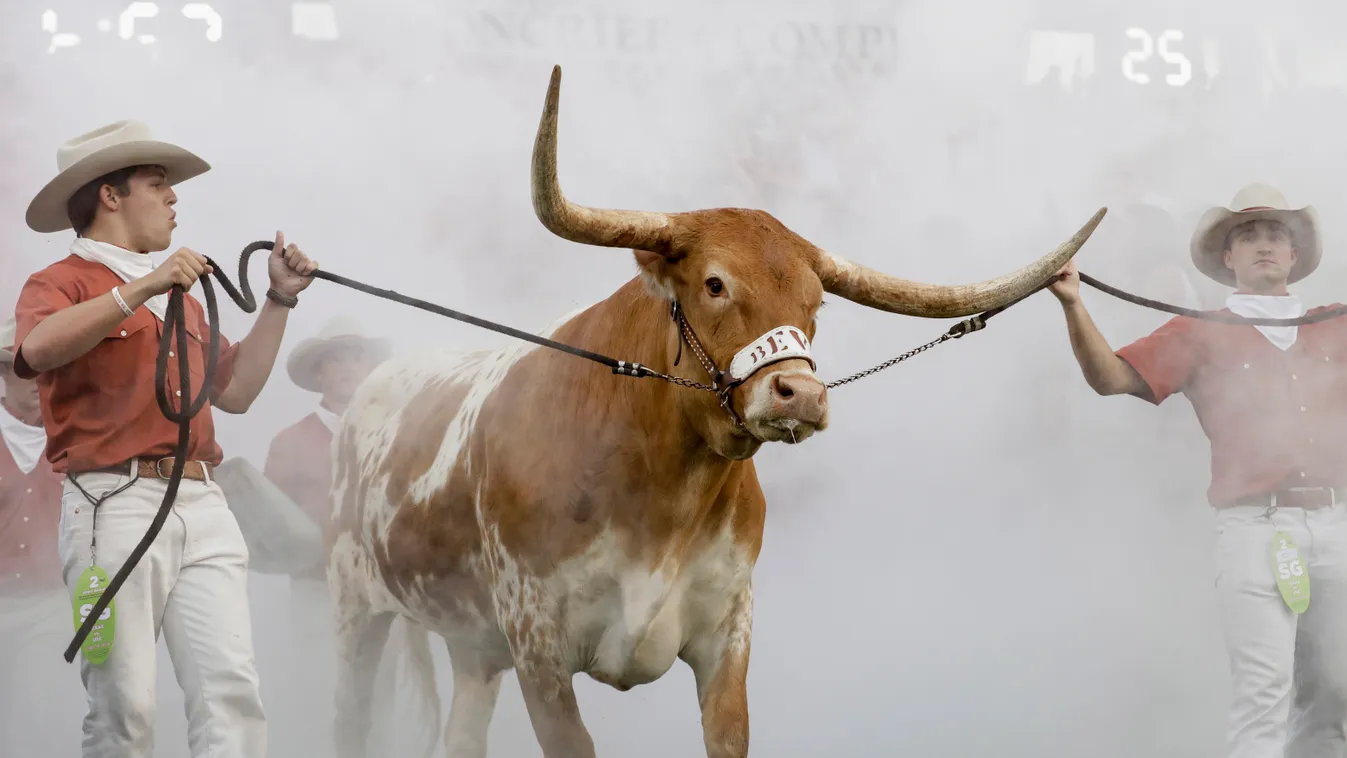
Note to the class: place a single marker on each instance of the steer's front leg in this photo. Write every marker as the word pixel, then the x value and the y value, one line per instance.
pixel 719 659
pixel 538 646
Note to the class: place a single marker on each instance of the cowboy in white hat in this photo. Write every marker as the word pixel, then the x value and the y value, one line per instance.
pixel 88 328
pixel 34 606
pixel 1273 402
pixel 331 364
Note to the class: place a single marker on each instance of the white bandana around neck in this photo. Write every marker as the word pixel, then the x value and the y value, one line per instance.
pixel 26 443
pixel 1269 306
pixel 123 263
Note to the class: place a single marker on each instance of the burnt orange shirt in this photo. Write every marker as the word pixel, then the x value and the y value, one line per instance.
pixel 298 464
pixel 1275 418
pixel 100 410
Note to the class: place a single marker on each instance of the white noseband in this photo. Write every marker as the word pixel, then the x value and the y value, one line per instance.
pixel 779 344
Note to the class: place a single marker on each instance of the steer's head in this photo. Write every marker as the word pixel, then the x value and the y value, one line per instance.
pixel 747 291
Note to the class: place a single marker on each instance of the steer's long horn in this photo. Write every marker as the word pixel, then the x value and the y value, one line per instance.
pixel 889 293
pixel 577 223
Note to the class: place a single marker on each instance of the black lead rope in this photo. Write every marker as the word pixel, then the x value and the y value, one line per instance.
pixel 979 322
pixel 618 367
pixel 175 327
pixel 1224 318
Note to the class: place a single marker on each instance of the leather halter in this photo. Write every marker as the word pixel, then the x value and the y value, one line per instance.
pixel 745 363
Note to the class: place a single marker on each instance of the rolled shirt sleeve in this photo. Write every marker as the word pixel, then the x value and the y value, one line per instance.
pixel 1165 359
pixel 40 297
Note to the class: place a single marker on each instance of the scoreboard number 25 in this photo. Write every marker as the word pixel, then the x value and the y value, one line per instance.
pixel 1147 46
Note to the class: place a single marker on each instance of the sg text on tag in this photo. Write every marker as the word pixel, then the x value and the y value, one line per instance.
pixel 1293 578
pixel 98 645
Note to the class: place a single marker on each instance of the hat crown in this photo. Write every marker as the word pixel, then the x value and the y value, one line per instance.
pixel 1259 196
pixel 79 148
pixel 341 326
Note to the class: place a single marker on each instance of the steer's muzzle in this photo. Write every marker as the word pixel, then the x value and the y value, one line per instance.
pixel 788 405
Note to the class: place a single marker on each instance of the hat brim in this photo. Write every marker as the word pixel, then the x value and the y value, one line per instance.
pixel 47 212
pixel 302 365
pixel 1208 242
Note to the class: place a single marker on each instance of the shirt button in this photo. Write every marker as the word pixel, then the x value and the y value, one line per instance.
pixel 25 519
pixel 23 547
pixel 170 354
pixel 1246 365
pixel 179 394
pixel 1293 376
pixel 123 332
pixel 1302 409
pixel 18 576
pixel 30 491
pixel 1302 475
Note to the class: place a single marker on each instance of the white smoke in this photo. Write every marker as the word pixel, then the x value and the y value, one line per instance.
pixel 980 557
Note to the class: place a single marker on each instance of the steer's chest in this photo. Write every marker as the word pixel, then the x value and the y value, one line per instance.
pixel 621 619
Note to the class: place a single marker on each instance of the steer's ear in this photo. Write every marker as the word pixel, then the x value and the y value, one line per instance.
pixel 657 272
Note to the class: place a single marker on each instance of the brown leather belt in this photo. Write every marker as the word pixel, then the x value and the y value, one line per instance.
pixel 1308 498
pixel 162 468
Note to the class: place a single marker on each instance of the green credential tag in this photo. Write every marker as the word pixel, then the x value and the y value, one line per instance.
pixel 98 644
pixel 1292 578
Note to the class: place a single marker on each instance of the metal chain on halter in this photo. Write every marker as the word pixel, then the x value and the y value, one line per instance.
pixel 720 392
pixel 890 362
pixel 683 382
pixel 958 330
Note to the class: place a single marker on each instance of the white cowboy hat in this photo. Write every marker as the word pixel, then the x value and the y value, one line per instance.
pixel 1252 203
pixel 103 150
pixel 340 331
pixel 7 342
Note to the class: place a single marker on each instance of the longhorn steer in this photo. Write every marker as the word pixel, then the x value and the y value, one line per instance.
pixel 542 514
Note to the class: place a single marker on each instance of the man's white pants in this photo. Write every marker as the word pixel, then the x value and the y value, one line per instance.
pixel 192 584
pixel 1289 672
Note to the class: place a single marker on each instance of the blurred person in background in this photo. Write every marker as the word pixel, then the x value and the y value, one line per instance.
pixel 1273 403
pixel 331 364
pixel 88 329
pixel 37 692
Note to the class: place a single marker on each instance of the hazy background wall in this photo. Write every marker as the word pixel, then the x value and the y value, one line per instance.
pixel 980 557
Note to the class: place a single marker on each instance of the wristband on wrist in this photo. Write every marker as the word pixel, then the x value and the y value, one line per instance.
pixel 116 295
pixel 288 301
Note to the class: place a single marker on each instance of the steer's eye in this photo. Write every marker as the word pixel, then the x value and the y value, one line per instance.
pixel 715 287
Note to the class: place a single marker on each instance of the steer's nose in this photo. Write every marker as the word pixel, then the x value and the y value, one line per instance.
pixel 800 396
